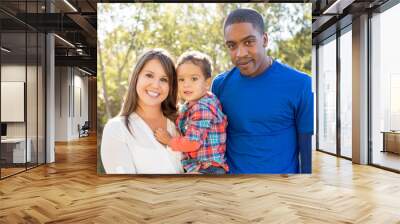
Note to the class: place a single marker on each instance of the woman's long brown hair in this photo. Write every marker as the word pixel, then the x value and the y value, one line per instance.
pixel 168 106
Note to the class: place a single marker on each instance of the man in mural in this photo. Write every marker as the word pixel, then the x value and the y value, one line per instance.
pixel 269 105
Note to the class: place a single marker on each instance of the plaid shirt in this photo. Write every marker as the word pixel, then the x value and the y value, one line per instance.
pixel 203 122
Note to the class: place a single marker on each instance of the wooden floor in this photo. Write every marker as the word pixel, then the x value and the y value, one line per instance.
pixel 69 191
pixel 10 171
pixel 387 159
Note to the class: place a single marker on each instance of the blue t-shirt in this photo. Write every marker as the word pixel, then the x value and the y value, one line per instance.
pixel 265 114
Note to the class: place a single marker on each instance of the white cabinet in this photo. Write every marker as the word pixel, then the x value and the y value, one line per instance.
pixel 18 149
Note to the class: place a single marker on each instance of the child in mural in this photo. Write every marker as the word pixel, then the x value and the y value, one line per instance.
pixel 200 121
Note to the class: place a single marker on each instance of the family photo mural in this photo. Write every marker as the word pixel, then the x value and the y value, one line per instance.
pixel 204 88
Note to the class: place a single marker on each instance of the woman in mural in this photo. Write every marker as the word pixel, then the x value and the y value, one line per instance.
pixel 128 143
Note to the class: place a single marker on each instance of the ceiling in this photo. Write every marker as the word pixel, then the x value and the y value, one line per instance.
pixel 74 22
pixel 330 15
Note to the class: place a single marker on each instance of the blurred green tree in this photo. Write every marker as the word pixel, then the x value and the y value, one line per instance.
pixel 126 30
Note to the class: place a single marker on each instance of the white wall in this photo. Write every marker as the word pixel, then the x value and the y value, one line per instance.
pixel 71 94
pixel 12 101
pixel 61 103
pixel 12 73
pixel 80 110
pixel 33 126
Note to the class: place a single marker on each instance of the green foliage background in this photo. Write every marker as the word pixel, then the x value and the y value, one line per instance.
pixel 126 30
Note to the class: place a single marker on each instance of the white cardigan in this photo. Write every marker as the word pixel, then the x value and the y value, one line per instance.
pixel 139 152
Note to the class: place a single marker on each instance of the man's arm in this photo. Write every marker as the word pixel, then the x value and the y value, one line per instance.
pixel 305 126
pixel 304 141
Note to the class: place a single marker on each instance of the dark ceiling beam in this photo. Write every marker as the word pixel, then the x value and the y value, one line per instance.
pixel 337 7
pixel 62 6
pixel 87 51
pixel 11 25
pixel 82 61
pixel 337 16
pixel 86 26
pixel 15 18
pixel 331 30
pixel 91 5
pixel 52 22
pixel 49 22
pixel 89 70
pixel 322 22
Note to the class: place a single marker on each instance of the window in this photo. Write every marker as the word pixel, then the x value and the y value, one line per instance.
pixel 22 67
pixel 327 96
pixel 346 94
pixel 385 87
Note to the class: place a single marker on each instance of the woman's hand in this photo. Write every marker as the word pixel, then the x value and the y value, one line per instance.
pixel 162 136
